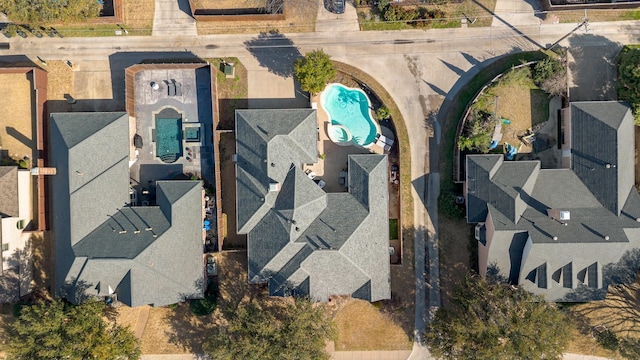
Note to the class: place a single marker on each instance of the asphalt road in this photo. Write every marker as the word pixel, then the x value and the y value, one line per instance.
pixel 418 68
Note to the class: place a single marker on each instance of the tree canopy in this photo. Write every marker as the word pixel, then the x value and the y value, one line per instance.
pixel 58 330
pixel 314 70
pixel 497 321
pixel 628 85
pixel 296 331
pixel 34 12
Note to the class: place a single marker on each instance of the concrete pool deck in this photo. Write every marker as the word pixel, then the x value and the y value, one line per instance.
pixel 335 156
pixel 192 100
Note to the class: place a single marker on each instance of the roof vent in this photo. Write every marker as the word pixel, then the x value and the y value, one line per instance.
pixel 606 237
pixel 565 215
pixel 274 186
pixel 638 219
pixel 555 238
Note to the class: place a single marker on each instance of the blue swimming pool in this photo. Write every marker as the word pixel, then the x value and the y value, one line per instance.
pixel 168 139
pixel 349 107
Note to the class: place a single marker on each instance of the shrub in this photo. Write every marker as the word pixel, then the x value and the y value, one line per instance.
pixel 448 207
pixel 382 113
pixel 477 132
pixel 546 69
pixel 202 307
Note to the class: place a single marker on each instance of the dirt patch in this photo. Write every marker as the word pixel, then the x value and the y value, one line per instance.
pixel 138 14
pixel 17 125
pixel 232 240
pixel 229 4
pixel 59 84
pixel 363 326
pixel 127 316
pixel 300 16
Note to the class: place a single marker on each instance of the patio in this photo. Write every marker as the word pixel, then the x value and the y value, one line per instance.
pixel 187 93
pixel 333 158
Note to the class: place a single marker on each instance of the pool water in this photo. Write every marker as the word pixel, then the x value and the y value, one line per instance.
pixel 349 107
pixel 169 139
pixel 192 134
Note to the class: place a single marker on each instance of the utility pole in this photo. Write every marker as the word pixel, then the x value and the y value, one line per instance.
pixel 584 22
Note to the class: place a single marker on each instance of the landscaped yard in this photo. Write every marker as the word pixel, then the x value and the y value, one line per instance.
pixel 480 11
pixel 138 20
pixel 518 100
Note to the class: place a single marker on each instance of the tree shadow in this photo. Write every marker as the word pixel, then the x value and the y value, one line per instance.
pixel 275 52
pixel 188 331
pixel 75 291
pixel 625 271
pixel 592 67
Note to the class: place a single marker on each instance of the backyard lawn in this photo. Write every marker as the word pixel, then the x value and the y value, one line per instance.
pixel 517 100
pixel 138 20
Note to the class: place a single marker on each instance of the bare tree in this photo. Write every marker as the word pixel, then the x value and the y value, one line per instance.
pixel 274 6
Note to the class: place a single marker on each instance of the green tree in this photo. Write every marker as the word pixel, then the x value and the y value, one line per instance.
pixel 296 331
pixel 314 70
pixel 35 12
pixel 628 85
pixel 497 321
pixel 57 330
pixel 477 132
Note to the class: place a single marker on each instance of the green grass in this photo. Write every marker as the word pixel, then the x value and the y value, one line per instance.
pixel 393 229
pixel 459 103
pixel 91 30
pixel 630 15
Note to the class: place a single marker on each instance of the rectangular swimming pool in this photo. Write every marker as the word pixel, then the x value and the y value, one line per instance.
pixel 168 139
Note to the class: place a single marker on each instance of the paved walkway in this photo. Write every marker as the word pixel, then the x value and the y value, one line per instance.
pixel 143 317
pixel 173 17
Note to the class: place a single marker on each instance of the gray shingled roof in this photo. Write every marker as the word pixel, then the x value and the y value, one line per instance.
pixel 301 239
pixel 8 191
pixel 147 255
pixel 535 249
pixel 599 132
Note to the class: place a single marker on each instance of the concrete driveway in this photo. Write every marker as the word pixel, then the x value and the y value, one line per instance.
pixel 173 17
pixel 592 72
pixel 327 21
